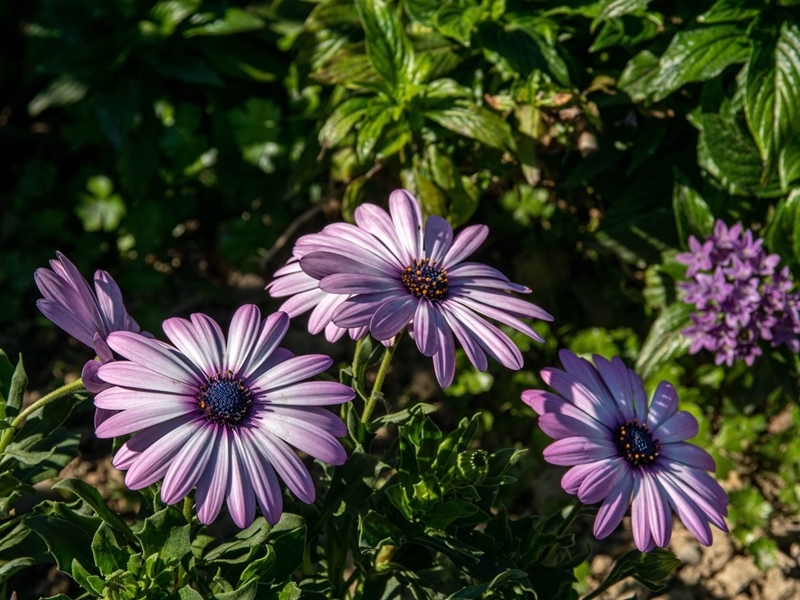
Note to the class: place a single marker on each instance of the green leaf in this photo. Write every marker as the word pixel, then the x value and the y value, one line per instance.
pixel 726 148
pixel 692 215
pixel 188 593
pixel 377 530
pixel 698 55
pixel 442 515
pixel 611 9
pixel 236 20
pixel 789 164
pixel 732 10
pixel 94 500
pixel 108 556
pixel 782 233
pixel 477 123
pixel 91 583
pixel 457 22
pixel 16 389
pixel 388 46
pixel 665 340
pixel 98 214
pixel 353 197
pixel 477 591
pixel 288 538
pixel 772 99
pixel 65 540
pixel 422 11
pixel 6 375
pixel 637 76
pixel 165 533
pixel 341 121
pixel 259 568
pixel 370 130
pixel 13 566
pixel 246 592
pixel 62 91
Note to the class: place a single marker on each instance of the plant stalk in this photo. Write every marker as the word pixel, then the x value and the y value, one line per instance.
pixel 384 367
pixel 64 390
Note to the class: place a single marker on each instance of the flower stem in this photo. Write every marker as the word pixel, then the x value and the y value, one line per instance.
pixel 357 385
pixel 376 389
pixel 573 514
pixel 64 390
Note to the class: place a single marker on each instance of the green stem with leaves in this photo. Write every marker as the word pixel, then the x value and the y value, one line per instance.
pixel 64 390
pixel 388 354
pixel 356 365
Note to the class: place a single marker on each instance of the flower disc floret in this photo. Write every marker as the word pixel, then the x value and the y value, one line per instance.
pixel 622 452
pixel 424 279
pixel 636 443
pixel 225 400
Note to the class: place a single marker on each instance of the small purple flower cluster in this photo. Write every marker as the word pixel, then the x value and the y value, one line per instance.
pixel 740 295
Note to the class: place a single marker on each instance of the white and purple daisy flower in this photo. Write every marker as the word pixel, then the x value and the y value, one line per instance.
pixel 619 448
pixel 391 271
pixel 305 294
pixel 221 415
pixel 88 316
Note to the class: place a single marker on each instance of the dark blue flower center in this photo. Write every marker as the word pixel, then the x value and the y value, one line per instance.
pixel 424 279
pixel 636 443
pixel 225 400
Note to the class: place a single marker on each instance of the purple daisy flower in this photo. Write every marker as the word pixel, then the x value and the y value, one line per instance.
pixel 398 272
pixel 221 415
pixel 291 280
pixel 88 316
pixel 619 448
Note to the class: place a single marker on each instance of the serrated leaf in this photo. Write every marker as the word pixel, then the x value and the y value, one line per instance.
pixel 165 533
pixel 477 123
pixel 370 130
pixel 611 9
pixel 388 47
pixel 782 233
pixel 16 388
pixel 665 340
pixel 638 74
pixel 341 121
pixel 94 500
pixel 692 215
pixel 187 593
pixel 698 55
pixel 236 20
pixel 789 165
pixel 732 10
pixel 108 556
pixel 477 591
pixel 91 583
pixel 772 99
pixel 246 592
pixel 65 540
pixel 443 514
pixel 726 148
pixel 457 21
